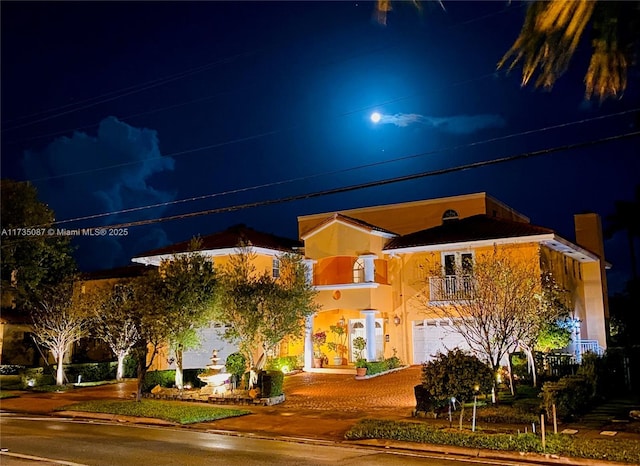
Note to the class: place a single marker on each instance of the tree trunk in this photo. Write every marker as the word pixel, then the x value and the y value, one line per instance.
pixel 510 369
pixel 532 361
pixel 120 369
pixel 60 369
pixel 179 375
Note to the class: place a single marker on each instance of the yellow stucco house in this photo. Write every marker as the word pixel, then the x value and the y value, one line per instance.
pixel 368 265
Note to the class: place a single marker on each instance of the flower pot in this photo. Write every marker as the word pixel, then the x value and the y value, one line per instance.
pixel 337 361
pixel 361 371
pixel 317 362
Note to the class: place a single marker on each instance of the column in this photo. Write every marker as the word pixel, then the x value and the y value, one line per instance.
pixel 308 343
pixel 369 267
pixel 370 332
pixel 308 264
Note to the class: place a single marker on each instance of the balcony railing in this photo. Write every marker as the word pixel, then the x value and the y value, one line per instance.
pixel 450 288
pixel 591 346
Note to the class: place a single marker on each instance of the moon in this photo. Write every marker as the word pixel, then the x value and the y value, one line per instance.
pixel 376 117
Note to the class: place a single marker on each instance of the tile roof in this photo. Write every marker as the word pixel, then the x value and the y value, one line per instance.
pixel 474 228
pixel 232 237
pixel 128 271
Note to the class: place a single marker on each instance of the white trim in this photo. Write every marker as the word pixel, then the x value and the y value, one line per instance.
pixel 550 240
pixel 371 231
pixel 158 259
pixel 341 286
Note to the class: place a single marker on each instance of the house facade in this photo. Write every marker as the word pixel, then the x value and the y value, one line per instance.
pixel 218 247
pixel 374 267
pixel 371 265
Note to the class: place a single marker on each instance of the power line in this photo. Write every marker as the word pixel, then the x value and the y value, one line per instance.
pixel 345 170
pixel 371 184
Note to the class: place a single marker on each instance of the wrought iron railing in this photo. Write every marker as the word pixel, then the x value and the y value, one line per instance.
pixel 450 288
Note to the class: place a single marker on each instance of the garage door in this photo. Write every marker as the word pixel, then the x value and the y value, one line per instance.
pixel 433 336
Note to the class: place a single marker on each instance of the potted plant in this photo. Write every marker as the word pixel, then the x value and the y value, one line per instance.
pixel 319 339
pixel 339 344
pixel 359 344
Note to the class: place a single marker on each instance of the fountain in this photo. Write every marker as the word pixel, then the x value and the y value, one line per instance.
pixel 215 377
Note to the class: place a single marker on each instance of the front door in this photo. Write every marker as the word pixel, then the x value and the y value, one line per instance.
pixel 357 329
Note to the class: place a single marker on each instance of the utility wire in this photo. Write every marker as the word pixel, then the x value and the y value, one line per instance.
pixel 384 182
pixel 344 170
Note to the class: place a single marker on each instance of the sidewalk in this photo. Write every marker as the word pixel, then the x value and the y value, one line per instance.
pixel 318 408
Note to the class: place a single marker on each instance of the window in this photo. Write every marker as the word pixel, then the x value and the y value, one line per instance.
pixel 449 214
pixel 457 269
pixel 358 271
pixel 276 268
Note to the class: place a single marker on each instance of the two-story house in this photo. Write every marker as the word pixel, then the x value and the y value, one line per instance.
pixel 369 264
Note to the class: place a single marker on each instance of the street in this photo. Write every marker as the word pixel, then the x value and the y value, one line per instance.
pixel 49 441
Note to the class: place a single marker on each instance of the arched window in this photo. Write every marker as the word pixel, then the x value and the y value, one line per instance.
pixel 449 214
pixel 358 271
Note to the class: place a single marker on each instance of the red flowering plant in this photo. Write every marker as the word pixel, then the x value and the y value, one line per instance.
pixel 319 339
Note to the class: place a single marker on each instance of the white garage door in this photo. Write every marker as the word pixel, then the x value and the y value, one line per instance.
pixel 433 336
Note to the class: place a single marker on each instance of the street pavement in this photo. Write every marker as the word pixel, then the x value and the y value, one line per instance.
pixel 318 408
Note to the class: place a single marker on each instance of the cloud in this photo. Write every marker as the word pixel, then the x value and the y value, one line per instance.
pixel 459 124
pixel 133 155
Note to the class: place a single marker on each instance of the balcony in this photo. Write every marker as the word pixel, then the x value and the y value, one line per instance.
pixel 357 271
pixel 450 288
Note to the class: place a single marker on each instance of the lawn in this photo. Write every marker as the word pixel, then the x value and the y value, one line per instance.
pixel 181 413
pixel 622 450
pixel 4 395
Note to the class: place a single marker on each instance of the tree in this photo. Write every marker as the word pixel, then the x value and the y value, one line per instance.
pixel 31 257
pixel 114 321
pixel 188 293
pixel 60 318
pixel 151 321
pixel 261 310
pixel 552 32
pixel 503 305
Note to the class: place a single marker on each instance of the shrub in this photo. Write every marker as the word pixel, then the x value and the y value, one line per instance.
pixel 90 372
pixel 11 369
pixel 271 383
pixel 622 450
pixel 456 374
pixel 130 367
pixel 236 364
pixel 278 364
pixel 190 376
pixel 375 367
pixel 572 395
pixel 36 376
pixel 166 379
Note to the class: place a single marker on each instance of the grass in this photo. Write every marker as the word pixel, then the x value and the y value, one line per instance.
pixel 181 413
pixel 601 449
pixel 4 395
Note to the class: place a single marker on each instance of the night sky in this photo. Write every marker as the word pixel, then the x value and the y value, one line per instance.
pixel 117 105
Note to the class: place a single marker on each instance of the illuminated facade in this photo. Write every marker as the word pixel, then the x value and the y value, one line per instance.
pixel 370 265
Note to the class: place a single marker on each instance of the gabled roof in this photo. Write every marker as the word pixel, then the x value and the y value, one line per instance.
pixel 222 243
pixel 481 230
pixel 354 222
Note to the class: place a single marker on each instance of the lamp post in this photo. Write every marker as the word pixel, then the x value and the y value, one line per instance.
pixel 475 402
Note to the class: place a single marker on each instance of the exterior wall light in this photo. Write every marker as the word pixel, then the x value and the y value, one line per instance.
pixel 396 319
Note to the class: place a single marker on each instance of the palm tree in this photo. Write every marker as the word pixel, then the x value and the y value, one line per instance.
pixel 625 217
pixel 551 33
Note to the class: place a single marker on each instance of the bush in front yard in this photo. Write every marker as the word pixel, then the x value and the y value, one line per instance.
pixel 572 395
pixel 165 379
